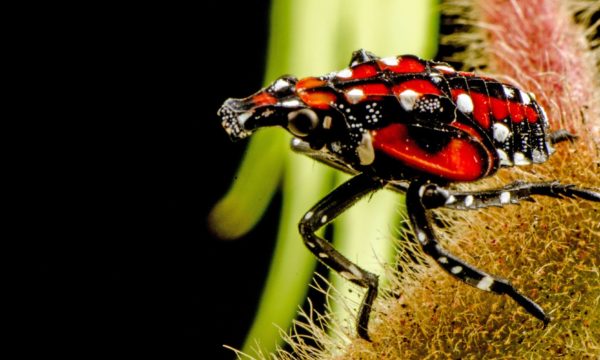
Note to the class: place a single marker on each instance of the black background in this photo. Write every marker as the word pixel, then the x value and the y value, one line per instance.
pixel 129 158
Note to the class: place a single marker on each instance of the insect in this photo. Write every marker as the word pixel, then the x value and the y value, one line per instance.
pixel 414 126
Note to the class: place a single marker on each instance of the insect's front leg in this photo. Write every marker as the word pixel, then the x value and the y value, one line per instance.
pixel 325 211
pixel 457 267
pixel 435 196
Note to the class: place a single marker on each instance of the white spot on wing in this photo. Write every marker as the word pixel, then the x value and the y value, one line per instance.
pixel 538 156
pixel 445 69
pixel 421 236
pixel 345 74
pixel 464 103
pixel 354 95
pixel 324 219
pixel 443 260
pixel 390 61
pixel 408 98
pixel 504 197
pixel 520 159
pixel 525 97
pixel 456 269
pixel 504 160
pixel 501 132
pixel 509 92
pixel 436 78
pixel 308 215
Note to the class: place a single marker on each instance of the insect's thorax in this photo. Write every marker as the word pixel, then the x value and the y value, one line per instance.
pixel 429 117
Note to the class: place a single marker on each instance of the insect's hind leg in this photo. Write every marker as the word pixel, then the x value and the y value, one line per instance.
pixel 458 268
pixel 435 196
pixel 324 212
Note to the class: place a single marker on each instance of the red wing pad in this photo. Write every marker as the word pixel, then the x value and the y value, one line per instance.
pixel 402 64
pixel 420 86
pixel 364 71
pixel 462 159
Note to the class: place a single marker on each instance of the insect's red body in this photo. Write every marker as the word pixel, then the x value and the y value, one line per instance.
pixel 500 125
pixel 397 120
pixel 430 119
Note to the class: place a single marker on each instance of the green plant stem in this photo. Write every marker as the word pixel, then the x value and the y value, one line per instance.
pixel 364 233
pixel 293 23
pixel 250 194
pixel 313 37
pixel 292 265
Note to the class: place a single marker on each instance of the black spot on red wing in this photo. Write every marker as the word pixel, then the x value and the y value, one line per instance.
pixel 478 85
pixel 495 90
pixel 458 82
pixel 430 140
pixel 434 109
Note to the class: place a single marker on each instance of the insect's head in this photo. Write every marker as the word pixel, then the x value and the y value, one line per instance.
pixel 303 107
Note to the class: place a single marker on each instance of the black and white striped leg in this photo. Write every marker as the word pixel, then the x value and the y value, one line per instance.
pixel 417 212
pixel 435 196
pixel 322 213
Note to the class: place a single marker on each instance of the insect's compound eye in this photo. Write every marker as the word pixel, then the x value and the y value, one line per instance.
pixel 302 122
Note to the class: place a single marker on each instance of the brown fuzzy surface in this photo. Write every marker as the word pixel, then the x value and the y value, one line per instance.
pixel 549 249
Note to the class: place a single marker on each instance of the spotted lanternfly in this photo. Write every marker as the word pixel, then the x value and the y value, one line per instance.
pixel 413 126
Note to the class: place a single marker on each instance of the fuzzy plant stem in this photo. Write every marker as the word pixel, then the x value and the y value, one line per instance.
pixel 536 44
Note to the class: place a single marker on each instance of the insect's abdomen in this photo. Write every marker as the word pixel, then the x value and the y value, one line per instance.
pixel 511 117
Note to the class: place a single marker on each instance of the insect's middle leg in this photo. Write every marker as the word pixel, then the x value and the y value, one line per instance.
pixel 322 213
pixel 452 264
